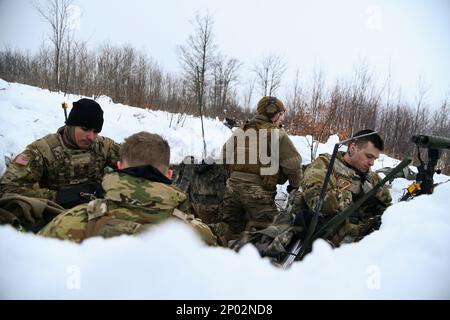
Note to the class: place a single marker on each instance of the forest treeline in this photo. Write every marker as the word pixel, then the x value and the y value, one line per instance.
pixel 210 84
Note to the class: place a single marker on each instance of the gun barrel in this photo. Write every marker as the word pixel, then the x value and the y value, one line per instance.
pixel 432 142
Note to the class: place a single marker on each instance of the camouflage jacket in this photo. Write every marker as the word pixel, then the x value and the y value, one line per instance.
pixel 131 204
pixel 345 187
pixel 288 162
pixel 47 164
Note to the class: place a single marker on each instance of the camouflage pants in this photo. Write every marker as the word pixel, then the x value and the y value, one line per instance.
pixel 246 206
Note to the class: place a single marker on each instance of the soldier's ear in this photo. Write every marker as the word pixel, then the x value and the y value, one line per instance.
pixel 120 165
pixel 169 174
pixel 351 149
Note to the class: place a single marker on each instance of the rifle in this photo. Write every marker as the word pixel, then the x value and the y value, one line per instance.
pixel 424 183
pixel 297 249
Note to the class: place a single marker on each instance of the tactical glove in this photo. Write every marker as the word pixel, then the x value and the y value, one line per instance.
pixel 290 188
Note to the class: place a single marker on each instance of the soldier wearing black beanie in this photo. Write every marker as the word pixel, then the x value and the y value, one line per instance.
pixel 66 166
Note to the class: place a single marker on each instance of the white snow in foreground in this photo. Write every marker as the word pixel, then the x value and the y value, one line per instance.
pixel 408 258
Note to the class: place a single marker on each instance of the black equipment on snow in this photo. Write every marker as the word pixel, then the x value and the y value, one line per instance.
pixel 424 183
pixel 230 123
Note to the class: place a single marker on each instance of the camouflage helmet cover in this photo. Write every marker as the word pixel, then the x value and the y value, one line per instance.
pixel 269 106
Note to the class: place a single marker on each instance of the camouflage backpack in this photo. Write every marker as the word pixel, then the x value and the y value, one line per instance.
pixel 205 184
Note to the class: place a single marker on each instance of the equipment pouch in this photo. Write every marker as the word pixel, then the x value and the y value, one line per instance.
pixel 73 195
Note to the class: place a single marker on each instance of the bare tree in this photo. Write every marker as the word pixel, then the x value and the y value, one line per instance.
pixel 42 67
pixel 316 109
pixel 422 90
pixel 70 54
pixel 296 106
pixel 295 100
pixel 248 94
pixel 224 75
pixel 441 120
pixel 421 110
pixel 441 127
pixel 56 13
pixel 269 74
pixel 196 57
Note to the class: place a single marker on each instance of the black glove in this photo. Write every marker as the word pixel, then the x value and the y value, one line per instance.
pixel 290 188
pixel 73 195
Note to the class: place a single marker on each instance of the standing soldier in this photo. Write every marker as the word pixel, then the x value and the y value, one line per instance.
pixel 138 196
pixel 270 159
pixel 64 165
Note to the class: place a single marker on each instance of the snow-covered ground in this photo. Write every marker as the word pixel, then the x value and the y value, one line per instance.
pixel 409 257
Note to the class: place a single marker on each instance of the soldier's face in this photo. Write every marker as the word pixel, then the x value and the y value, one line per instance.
pixel 364 157
pixel 85 137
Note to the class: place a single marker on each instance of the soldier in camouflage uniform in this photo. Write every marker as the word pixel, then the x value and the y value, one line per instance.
pixel 249 200
pixel 350 179
pixel 52 166
pixel 138 196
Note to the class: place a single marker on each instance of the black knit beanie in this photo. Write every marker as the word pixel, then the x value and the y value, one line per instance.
pixel 86 113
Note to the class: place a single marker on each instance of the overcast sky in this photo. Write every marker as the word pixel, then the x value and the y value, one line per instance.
pixel 410 35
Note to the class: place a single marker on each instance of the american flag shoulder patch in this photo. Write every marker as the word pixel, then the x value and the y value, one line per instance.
pixel 22 159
